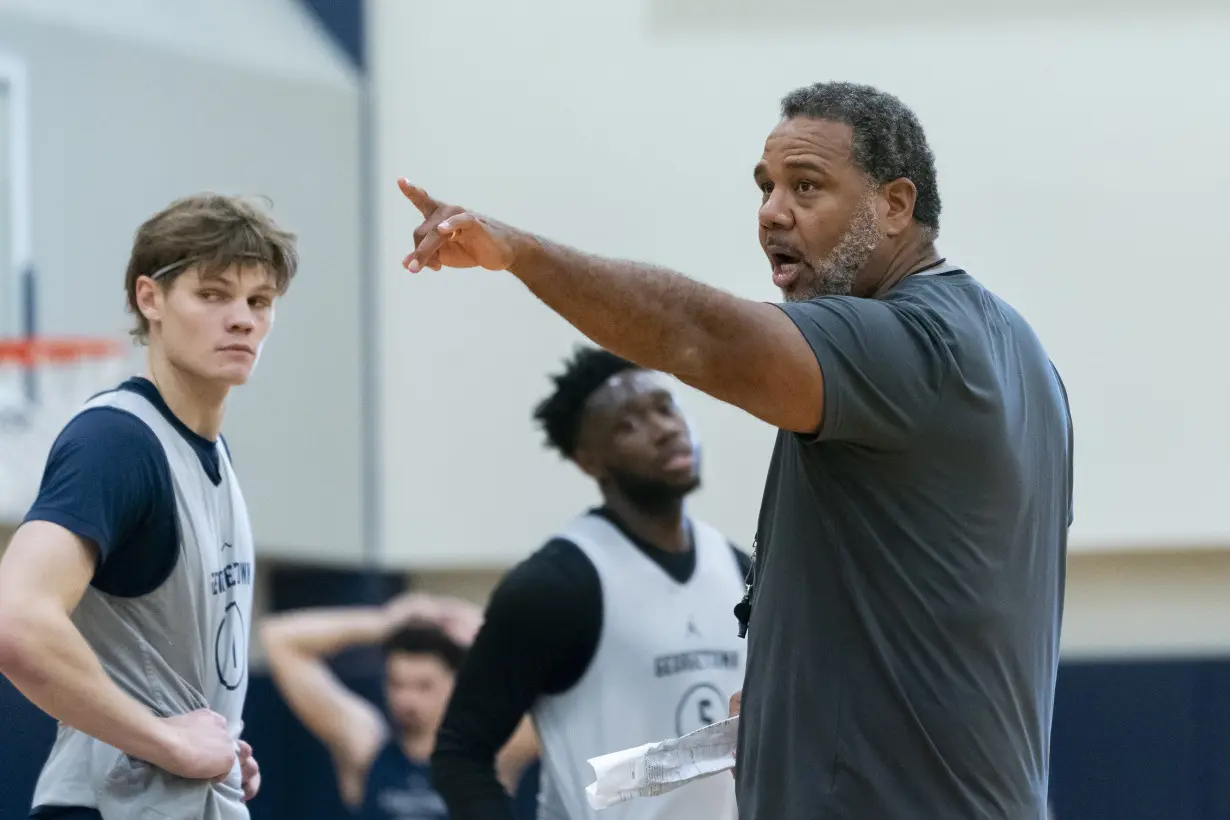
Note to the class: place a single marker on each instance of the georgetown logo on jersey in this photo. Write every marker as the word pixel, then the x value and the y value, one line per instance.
pixel 696 660
pixel 702 705
pixel 231 636
pixel 233 574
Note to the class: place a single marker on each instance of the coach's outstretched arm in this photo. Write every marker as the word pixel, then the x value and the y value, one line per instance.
pixel 746 353
pixel 43 575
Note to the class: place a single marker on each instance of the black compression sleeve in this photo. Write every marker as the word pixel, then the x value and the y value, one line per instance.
pixel 539 635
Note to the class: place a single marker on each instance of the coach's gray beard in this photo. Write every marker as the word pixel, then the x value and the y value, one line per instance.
pixel 834 275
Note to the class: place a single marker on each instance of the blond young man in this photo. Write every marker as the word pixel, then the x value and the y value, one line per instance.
pixel 125 595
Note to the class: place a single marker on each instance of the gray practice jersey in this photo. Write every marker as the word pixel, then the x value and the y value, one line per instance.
pixel 909 570
pixel 181 647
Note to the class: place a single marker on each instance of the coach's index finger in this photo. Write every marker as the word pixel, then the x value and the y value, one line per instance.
pixel 426 205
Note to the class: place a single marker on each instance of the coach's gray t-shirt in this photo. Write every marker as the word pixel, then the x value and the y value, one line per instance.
pixel 909 575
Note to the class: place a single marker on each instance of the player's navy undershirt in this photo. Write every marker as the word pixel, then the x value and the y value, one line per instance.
pixel 540 633
pixel 107 480
pixel 399 788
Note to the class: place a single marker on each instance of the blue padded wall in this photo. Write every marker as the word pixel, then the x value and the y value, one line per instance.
pixel 343 19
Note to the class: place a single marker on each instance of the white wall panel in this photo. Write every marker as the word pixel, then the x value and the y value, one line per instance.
pixel 1079 160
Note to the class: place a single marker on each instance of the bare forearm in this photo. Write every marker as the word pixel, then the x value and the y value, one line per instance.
pixel 518 753
pixel 746 353
pixel 655 317
pixel 322 632
pixel 49 662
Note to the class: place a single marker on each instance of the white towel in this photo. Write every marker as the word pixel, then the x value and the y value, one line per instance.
pixel 657 768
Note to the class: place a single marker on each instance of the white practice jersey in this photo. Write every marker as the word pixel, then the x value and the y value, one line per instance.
pixel 667 661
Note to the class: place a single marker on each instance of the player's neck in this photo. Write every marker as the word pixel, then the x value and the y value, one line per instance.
pixel 662 527
pixel 198 404
pixel 418 747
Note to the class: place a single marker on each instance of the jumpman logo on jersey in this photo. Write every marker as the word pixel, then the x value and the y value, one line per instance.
pixel 692 630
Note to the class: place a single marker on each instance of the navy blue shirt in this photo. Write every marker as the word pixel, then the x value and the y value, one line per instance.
pixel 107 480
pixel 399 788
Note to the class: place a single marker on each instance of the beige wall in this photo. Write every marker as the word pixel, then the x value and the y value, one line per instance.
pixel 1118 604
pixel 1163 603
pixel 620 97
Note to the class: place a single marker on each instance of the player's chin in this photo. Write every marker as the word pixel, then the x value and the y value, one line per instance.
pixel 407 724
pixel 233 375
pixel 681 481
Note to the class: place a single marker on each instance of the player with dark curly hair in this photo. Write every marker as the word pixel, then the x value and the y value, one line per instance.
pixel 619 631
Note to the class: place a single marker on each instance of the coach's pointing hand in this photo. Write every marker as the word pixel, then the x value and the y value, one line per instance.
pixel 452 237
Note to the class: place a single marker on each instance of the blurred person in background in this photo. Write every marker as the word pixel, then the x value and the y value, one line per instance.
pixel 618 631
pixel 907 597
pixel 382 765
pixel 125 594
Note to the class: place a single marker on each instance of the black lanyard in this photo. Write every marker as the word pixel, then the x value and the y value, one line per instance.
pixel 743 609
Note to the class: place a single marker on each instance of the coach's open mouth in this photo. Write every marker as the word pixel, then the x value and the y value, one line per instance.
pixel 787 264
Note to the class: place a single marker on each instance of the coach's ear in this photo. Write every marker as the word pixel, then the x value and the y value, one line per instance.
pixel 898 197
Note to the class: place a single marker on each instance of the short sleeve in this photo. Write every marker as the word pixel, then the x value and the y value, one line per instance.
pixel 883 366
pixel 107 480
